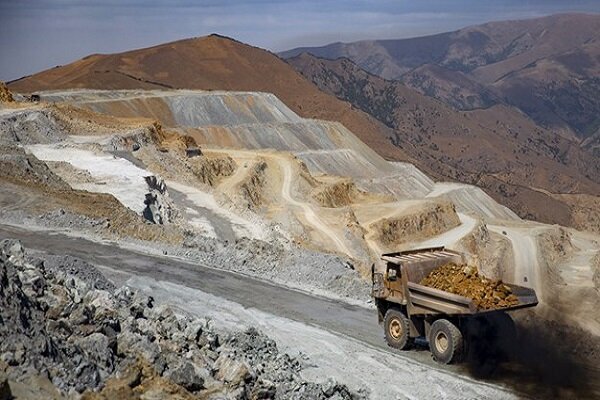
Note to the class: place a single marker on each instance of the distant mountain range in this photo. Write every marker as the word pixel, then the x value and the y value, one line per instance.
pixel 522 165
pixel 547 67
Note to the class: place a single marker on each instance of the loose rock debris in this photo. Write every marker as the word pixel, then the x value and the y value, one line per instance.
pixel 5 94
pixel 466 281
pixel 68 332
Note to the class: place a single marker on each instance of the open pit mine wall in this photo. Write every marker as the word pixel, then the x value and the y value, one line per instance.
pixel 255 120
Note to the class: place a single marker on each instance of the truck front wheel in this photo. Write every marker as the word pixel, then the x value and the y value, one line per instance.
pixel 446 342
pixel 397 328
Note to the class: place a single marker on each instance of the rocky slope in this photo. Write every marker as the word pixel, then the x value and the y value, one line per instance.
pixel 498 149
pixel 546 66
pixel 68 330
pixel 211 63
pixel 454 88
pixel 215 62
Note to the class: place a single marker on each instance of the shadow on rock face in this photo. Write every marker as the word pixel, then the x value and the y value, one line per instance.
pixel 544 359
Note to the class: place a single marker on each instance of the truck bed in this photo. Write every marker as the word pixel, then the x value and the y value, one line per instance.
pixel 417 264
pixel 432 301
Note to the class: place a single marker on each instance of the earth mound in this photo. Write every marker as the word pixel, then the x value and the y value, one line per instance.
pixel 5 94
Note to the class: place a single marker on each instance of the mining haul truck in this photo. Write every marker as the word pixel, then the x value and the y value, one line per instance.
pixel 449 323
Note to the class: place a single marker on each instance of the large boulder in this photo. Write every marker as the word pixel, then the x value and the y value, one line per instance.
pixel 185 374
pixel 97 348
pixel 131 344
pixel 232 370
pixel 159 209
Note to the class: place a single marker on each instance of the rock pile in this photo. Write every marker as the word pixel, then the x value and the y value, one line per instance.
pixel 252 187
pixel 68 327
pixel 5 94
pixel 466 281
pixel 32 127
pixel 159 206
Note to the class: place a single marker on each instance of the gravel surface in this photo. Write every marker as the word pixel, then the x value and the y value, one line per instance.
pixel 321 273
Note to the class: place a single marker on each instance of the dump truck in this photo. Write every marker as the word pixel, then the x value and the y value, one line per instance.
pixel 413 313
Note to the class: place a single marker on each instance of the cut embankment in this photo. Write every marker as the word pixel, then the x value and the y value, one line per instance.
pixel 393 226
pixel 181 108
pixel 418 223
pixel 309 213
pixel 109 174
pixel 471 199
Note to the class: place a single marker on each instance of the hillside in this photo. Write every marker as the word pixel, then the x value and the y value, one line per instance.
pixel 497 148
pixel 454 88
pixel 218 63
pixel 270 193
pixel 211 63
pixel 548 67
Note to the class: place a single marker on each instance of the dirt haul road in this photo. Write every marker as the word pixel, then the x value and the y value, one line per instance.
pixel 309 213
pixel 353 335
pixel 526 263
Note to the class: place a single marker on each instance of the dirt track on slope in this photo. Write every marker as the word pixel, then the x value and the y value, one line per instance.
pixel 309 213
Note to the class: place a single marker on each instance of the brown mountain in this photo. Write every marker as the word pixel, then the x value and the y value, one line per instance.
pixel 548 67
pixel 211 63
pixel 497 148
pixel 454 88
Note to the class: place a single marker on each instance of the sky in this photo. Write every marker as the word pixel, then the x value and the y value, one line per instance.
pixel 40 34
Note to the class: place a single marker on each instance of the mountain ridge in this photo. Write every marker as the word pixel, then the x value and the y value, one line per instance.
pixel 524 63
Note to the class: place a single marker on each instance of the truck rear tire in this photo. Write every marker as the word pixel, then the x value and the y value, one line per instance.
pixel 446 342
pixel 397 329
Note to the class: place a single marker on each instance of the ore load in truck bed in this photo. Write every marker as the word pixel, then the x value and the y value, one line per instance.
pixel 465 281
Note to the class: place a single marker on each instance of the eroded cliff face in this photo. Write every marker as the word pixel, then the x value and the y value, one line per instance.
pixel 210 170
pixel 5 94
pixel 337 194
pixel 252 186
pixel 431 220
